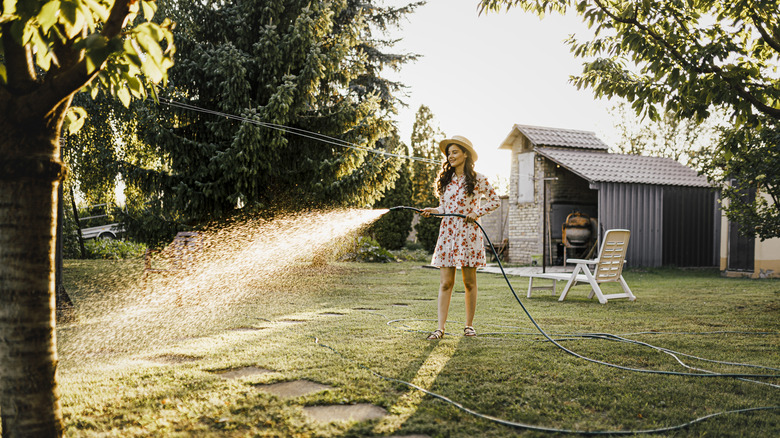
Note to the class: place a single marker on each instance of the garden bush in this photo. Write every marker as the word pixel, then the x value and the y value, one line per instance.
pixel 369 250
pixel 113 249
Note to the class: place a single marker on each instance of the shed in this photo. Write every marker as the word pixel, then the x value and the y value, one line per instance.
pixel 744 256
pixel 672 212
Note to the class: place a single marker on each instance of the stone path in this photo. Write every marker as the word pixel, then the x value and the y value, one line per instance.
pixel 295 388
pixel 358 412
pixel 238 373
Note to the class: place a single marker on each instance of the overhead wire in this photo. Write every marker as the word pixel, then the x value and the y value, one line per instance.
pixel 295 131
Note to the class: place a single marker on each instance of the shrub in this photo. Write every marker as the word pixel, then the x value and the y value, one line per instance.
pixel 428 232
pixel 412 255
pixel 369 250
pixel 113 249
pixel 392 229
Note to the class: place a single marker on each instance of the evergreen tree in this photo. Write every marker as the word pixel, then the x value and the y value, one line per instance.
pixel 425 144
pixel 288 66
pixel 392 229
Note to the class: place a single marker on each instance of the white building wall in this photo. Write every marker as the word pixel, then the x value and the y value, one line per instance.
pixel 524 226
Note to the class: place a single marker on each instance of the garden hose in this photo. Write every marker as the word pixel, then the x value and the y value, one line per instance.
pixel 605 336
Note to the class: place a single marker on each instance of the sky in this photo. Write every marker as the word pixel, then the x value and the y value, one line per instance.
pixel 481 75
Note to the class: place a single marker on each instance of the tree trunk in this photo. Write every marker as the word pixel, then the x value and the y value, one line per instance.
pixel 65 309
pixel 30 174
pixel 78 223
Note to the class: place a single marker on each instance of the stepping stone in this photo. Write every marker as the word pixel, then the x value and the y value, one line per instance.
pixel 245 329
pixel 238 373
pixel 358 412
pixel 409 436
pixel 295 388
pixel 400 304
pixel 175 358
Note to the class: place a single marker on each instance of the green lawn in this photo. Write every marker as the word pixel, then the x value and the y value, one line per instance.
pixel 142 361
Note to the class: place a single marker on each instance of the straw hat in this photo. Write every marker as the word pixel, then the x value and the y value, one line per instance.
pixel 461 141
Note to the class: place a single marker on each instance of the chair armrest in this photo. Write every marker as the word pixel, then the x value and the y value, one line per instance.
pixel 590 262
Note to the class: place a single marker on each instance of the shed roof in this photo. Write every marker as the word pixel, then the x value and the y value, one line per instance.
pixel 619 168
pixel 543 136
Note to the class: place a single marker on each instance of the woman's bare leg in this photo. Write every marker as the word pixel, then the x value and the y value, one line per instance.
pixel 447 281
pixel 470 283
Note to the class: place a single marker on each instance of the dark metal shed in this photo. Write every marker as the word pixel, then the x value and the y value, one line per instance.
pixel 671 211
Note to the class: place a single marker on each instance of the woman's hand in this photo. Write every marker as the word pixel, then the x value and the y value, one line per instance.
pixel 427 212
pixel 471 217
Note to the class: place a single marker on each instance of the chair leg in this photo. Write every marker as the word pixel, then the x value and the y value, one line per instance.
pixel 626 289
pixel 595 288
pixel 572 281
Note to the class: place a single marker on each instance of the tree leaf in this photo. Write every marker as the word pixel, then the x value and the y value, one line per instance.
pixel 48 15
pixel 124 96
pixel 149 9
pixel 74 119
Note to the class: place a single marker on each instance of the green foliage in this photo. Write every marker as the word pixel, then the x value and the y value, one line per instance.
pixel 686 57
pixel 414 188
pixel 392 229
pixel 70 243
pixel 113 249
pixel 746 165
pixel 151 224
pixel 368 250
pixel 425 144
pixel 428 232
pixel 412 252
pixel 120 61
pixel 311 66
pixel 683 140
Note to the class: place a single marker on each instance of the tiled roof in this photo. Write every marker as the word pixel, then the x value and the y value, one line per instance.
pixel 542 136
pixel 618 168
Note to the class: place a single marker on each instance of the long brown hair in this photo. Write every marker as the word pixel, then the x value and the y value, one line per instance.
pixel 447 171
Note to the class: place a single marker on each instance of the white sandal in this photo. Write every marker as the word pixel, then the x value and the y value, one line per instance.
pixel 437 334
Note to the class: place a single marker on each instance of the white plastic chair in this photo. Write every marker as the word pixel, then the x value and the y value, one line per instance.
pixel 608 268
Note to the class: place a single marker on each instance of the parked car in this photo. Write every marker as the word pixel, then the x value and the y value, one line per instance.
pixel 109 231
pixel 98 223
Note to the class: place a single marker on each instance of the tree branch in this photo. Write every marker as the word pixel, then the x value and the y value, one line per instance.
pixel 768 39
pixel 710 68
pixel 116 19
pixel 18 63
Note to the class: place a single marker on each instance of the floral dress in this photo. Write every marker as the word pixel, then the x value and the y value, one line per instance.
pixel 461 243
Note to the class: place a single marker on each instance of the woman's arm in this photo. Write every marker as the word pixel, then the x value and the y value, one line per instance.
pixel 483 187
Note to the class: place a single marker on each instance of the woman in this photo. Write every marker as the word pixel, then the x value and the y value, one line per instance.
pixel 460 243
